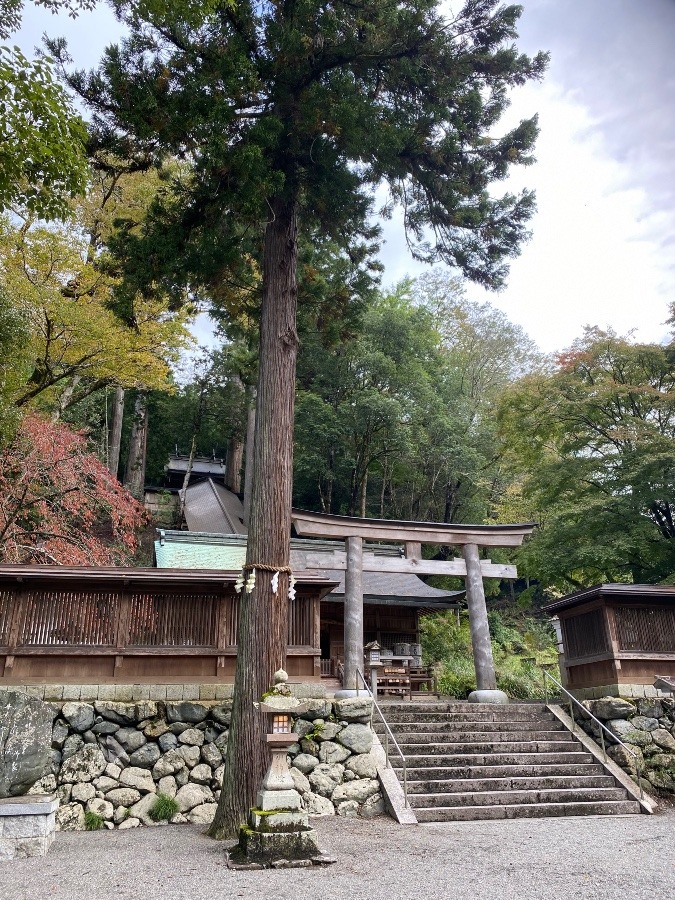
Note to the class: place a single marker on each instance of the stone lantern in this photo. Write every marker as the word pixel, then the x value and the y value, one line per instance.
pixel 374 662
pixel 278 830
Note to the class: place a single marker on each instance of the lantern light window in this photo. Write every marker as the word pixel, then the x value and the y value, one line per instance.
pixel 281 724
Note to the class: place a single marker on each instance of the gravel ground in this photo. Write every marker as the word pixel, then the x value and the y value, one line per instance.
pixel 608 858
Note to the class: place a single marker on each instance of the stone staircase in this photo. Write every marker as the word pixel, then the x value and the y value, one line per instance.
pixel 469 761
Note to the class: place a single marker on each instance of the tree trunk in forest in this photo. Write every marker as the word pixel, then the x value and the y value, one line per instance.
pixel 363 493
pixel 134 474
pixel 235 454
pixel 115 432
pixel 263 618
pixel 186 479
pixel 250 444
pixel 235 458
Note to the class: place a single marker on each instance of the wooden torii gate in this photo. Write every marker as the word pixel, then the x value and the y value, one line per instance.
pixel 412 535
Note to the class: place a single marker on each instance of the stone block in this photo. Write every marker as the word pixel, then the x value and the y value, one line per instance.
pixel 207 691
pixel 53 692
pixel 278 821
pixel 190 692
pixel 157 692
pixel 72 691
pixel 174 692
pixel 24 848
pixel 124 693
pixel 27 826
pixel 268 800
pixel 35 691
pixel 269 846
pixel 89 691
pixel 140 692
pixel 224 691
pixel 106 691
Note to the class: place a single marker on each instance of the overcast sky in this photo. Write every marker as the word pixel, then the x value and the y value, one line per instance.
pixel 603 245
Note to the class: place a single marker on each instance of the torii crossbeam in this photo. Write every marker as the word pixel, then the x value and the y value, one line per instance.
pixel 412 534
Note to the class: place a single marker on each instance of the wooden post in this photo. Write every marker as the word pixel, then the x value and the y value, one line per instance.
pixel 486 679
pixel 353 613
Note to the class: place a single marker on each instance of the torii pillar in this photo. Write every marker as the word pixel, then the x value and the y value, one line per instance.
pixel 353 635
pixel 486 679
pixel 413 534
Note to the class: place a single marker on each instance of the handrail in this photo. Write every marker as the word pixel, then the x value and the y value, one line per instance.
pixel 572 699
pixel 387 734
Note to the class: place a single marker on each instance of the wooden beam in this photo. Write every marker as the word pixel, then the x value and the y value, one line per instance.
pixel 403 566
pixel 328 526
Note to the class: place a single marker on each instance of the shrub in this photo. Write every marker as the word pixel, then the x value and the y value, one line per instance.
pixel 164 808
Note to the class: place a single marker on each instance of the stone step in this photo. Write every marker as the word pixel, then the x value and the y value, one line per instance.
pixel 470 772
pixel 524 811
pixel 485 747
pixel 514 783
pixel 433 727
pixel 482 737
pixel 510 715
pixel 461 706
pixel 421 761
pixel 512 798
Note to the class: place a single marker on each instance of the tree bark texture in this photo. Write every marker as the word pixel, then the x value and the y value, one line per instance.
pixel 115 432
pixel 134 474
pixel 263 618
pixel 235 458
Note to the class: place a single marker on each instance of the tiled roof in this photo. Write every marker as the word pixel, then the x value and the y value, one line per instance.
pixel 209 507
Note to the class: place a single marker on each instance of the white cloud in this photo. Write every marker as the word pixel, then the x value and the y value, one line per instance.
pixel 595 256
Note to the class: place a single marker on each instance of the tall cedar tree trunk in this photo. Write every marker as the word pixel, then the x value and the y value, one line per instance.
pixel 134 474
pixel 115 434
pixel 263 618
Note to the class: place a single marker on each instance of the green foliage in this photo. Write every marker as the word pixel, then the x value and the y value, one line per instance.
pixel 164 808
pixel 593 445
pixel 331 71
pixel 42 156
pixel 92 821
pixel 397 420
pixel 520 645
pixel 315 732
pixel 14 340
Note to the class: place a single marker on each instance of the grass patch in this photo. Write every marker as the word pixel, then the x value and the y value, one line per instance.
pixel 92 821
pixel 164 808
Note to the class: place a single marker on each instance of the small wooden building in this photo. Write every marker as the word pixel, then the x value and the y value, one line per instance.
pixel 392 603
pixel 136 626
pixel 616 638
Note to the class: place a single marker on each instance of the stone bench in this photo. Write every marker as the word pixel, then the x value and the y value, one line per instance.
pixel 27 825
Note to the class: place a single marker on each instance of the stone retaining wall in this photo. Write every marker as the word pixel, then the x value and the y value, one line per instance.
pixel 111 760
pixel 647 727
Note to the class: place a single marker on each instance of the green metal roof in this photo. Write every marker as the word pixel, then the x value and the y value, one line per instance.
pixel 181 555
